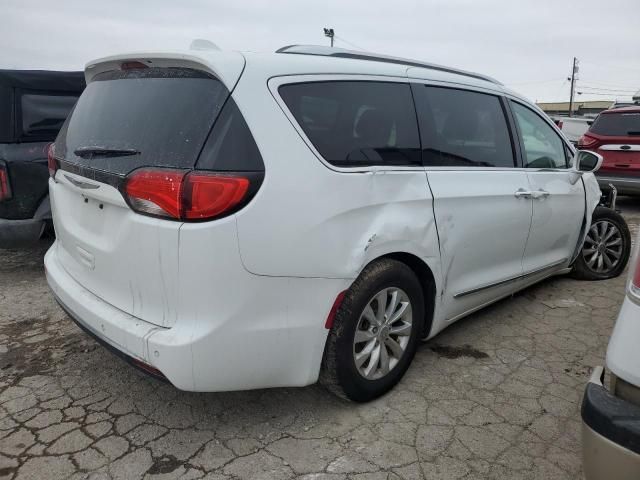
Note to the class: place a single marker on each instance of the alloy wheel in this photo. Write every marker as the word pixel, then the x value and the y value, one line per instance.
pixel 602 247
pixel 383 333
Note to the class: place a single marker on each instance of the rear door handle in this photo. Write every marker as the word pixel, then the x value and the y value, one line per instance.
pixel 540 194
pixel 522 193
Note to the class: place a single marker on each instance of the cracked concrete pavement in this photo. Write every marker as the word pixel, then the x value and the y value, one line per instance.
pixel 496 395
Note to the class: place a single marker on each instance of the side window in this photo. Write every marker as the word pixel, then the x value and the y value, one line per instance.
pixel 230 146
pixel 357 123
pixel 461 128
pixel 42 115
pixel 543 147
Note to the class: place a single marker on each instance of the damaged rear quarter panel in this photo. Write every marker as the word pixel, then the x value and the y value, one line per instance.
pixel 362 216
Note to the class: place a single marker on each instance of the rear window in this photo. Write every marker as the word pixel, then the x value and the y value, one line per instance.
pixel 617 124
pixel 156 116
pixel 41 115
pixel 357 123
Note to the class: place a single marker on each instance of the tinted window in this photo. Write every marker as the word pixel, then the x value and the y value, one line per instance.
pixel 617 124
pixel 6 114
pixel 230 146
pixel 543 147
pixel 165 114
pixel 42 115
pixel 462 128
pixel 357 123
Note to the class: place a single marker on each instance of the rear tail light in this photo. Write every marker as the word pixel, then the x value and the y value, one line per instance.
pixel 634 274
pixel 5 188
pixel 208 196
pixel 185 195
pixel 51 160
pixel 586 141
pixel 132 65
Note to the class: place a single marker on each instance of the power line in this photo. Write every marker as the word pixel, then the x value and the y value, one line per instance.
pixel 604 94
pixel 535 82
pixel 625 87
pixel 601 89
pixel 610 66
pixel 350 43
pixel 561 87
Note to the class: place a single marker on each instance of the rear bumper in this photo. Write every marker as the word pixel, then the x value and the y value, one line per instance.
pixel 624 185
pixel 610 433
pixel 275 337
pixel 18 233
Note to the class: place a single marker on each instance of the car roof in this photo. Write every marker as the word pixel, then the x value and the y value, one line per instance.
pixel 306 59
pixel 303 60
pixel 374 57
pixel 635 109
pixel 43 80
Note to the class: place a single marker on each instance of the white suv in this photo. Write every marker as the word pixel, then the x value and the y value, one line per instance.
pixel 234 221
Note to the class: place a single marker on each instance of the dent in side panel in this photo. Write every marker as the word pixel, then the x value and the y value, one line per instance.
pixel 361 216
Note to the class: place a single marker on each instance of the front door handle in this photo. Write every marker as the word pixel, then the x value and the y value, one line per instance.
pixel 522 193
pixel 540 194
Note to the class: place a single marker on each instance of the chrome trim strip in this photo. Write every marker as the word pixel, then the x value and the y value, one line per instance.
pixel 617 179
pixel 623 147
pixel 508 280
pixel 81 184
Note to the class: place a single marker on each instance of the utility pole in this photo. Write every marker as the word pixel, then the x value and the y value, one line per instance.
pixel 328 32
pixel 574 71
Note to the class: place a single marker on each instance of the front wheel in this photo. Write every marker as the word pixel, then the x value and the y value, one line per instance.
pixel 375 332
pixel 606 247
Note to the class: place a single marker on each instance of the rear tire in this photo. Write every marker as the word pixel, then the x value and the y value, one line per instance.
pixel 606 248
pixel 385 308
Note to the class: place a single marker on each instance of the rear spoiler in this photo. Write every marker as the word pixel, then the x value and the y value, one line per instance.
pixel 226 66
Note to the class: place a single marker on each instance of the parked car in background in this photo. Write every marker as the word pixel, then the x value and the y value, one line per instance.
pixel 615 134
pixel 573 127
pixel 611 417
pixel 231 221
pixel 623 105
pixel 33 106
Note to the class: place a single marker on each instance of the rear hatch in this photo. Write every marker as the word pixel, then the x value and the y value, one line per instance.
pixel 130 118
pixel 616 136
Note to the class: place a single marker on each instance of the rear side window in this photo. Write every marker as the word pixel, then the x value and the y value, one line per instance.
pixel 231 147
pixel 153 116
pixel 543 147
pixel 461 128
pixel 41 115
pixel 357 123
pixel 617 124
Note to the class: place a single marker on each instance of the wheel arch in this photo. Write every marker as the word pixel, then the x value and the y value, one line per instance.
pixel 427 281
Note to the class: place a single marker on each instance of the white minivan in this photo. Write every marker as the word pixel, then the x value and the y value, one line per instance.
pixel 233 221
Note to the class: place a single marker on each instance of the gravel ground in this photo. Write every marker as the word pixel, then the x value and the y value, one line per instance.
pixel 496 395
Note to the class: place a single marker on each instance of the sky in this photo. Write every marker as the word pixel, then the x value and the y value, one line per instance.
pixel 528 45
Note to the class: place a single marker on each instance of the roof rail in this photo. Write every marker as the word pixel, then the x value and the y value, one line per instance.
pixel 374 57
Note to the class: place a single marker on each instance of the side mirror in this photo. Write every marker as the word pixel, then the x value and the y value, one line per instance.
pixel 587 161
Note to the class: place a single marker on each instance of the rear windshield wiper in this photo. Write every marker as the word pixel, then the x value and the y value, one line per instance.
pixel 105 151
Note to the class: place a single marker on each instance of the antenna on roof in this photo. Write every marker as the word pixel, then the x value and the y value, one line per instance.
pixel 202 44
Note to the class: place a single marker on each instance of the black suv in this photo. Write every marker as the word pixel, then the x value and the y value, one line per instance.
pixel 33 107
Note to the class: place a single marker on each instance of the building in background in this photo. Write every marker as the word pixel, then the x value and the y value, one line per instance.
pixel 586 108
